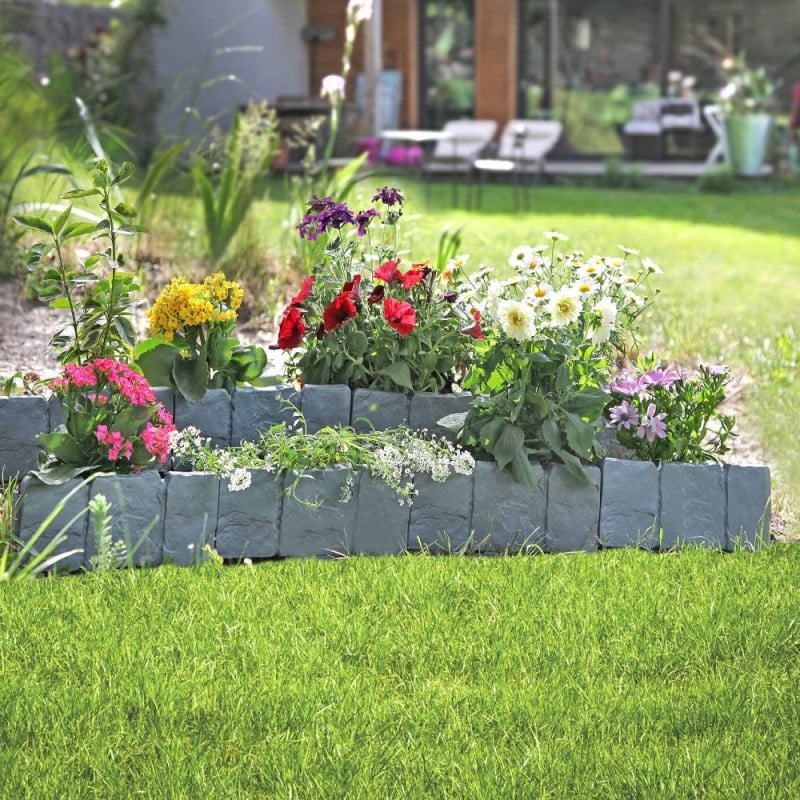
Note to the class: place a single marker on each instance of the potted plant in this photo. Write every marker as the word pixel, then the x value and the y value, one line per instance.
pixel 744 100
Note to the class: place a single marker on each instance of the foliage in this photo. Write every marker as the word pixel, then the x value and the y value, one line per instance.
pixel 103 71
pixel 27 561
pixel 393 456
pixel 109 554
pixel 100 302
pixel 112 422
pixel 748 90
pixel 719 179
pixel 665 414
pixel 551 335
pixel 191 348
pixel 227 174
pixel 360 320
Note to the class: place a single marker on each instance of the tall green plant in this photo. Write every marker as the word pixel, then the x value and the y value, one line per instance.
pixel 227 175
pixel 100 304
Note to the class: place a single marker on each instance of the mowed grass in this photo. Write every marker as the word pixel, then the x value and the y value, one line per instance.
pixel 620 674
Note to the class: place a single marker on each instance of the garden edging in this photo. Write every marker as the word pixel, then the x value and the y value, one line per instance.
pixel 180 513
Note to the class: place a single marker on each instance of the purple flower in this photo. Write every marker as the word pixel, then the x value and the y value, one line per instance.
pixel 625 415
pixel 450 296
pixel 629 386
pixel 653 425
pixel 323 213
pixel 363 218
pixel 662 377
pixel 715 370
pixel 389 196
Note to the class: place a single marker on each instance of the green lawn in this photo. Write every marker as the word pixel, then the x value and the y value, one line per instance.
pixel 620 674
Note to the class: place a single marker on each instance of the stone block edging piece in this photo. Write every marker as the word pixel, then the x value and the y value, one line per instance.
pixel 182 512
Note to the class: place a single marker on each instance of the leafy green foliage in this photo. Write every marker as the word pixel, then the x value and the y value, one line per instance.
pixel 98 292
pixel 228 175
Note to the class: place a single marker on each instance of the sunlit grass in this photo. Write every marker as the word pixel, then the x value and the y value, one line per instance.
pixel 621 674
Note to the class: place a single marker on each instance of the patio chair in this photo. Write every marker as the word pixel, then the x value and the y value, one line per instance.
pixel 715 120
pixel 524 144
pixel 454 155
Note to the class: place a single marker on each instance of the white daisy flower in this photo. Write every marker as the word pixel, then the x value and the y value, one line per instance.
pixel 520 257
pixel 517 319
pixel 614 263
pixel 605 311
pixel 494 294
pixel 651 266
pixel 555 236
pixel 585 287
pixel 627 250
pixel 537 293
pixel 564 306
pixel 459 262
pixel 540 248
pixel 590 271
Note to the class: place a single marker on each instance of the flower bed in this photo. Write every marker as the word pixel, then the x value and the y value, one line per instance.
pixel 635 504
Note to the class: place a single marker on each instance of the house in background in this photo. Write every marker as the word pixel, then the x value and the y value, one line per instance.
pixel 583 62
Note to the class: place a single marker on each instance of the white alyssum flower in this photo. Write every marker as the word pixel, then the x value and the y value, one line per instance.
pixel 239 479
pixel 564 307
pixel 517 319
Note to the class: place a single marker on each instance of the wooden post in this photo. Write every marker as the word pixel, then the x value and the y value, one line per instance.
pixel 373 66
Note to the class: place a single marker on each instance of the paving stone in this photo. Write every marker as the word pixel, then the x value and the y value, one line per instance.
pixel 507 516
pixel 427 408
pixel 314 521
pixel 38 502
pixel 629 504
pixel 137 513
pixel 325 406
pixel 376 410
pixel 693 505
pixel 190 520
pixel 258 409
pixel 211 416
pixel 441 515
pixel 749 510
pixel 573 511
pixel 22 419
pixel 381 519
pixel 248 522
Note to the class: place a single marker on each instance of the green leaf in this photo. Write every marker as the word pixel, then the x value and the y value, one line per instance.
pixel 575 468
pixel 248 363
pixel 123 173
pixel 357 343
pixel 580 434
pixel 219 350
pixel 55 474
pixel 399 373
pixel 156 360
pixel 191 377
pixel 125 210
pixel 34 222
pixel 61 220
pixel 76 193
pixel 453 422
pixel 551 434
pixel 64 447
pixel 508 444
pixel 522 471
pixel 78 229
pixel 590 402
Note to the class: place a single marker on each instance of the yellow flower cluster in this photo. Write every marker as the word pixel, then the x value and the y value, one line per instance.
pixel 182 305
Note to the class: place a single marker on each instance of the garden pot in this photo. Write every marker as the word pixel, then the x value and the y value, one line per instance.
pixel 748 140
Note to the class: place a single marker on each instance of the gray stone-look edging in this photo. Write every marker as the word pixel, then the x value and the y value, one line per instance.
pixel 228 420
pixel 634 504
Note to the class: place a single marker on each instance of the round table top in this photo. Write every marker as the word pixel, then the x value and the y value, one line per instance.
pixel 416 135
pixel 495 164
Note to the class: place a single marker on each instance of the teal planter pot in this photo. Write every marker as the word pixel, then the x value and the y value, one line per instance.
pixel 748 139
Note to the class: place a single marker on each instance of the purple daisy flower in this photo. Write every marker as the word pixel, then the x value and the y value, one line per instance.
pixel 652 425
pixel 625 415
pixel 363 218
pixel 664 378
pixel 388 196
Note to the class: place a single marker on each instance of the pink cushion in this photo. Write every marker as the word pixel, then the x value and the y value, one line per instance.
pixel 400 155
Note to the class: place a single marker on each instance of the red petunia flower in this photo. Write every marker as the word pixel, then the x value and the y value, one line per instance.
pixel 387 271
pixel 411 278
pixel 474 330
pixel 341 310
pixel 377 294
pixel 305 291
pixel 292 328
pixel 400 315
pixel 354 287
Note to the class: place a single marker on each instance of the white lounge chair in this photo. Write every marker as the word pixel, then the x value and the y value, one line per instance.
pixel 524 144
pixel 715 120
